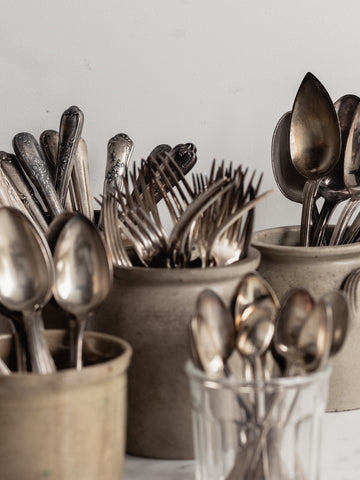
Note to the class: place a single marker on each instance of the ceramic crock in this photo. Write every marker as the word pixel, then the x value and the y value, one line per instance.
pixel 285 265
pixel 151 309
pixel 69 424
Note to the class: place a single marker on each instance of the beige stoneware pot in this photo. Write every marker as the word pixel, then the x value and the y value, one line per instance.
pixel 151 309
pixel 285 265
pixel 70 424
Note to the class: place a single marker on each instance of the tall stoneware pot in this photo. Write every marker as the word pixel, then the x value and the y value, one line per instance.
pixel 151 309
pixel 285 265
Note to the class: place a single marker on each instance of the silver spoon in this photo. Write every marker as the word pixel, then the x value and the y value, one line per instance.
pixel 83 274
pixel 290 182
pixel 33 162
pixel 212 338
pixel 26 278
pixel 212 331
pixel 315 142
pixel 295 308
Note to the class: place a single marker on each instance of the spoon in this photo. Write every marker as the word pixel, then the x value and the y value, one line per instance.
pixel 83 274
pixel 70 129
pixel 255 310
pixel 26 277
pixel 340 314
pixel 295 308
pixel 315 142
pixel 212 333
pixel 332 188
pixel 33 162
pixel 289 181
pixel 315 338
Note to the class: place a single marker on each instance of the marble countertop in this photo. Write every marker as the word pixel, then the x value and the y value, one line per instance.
pixel 340 454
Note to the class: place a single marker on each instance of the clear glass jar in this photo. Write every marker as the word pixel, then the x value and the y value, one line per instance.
pixel 266 430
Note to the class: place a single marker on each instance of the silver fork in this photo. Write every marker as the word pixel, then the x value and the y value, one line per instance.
pixel 179 248
pixel 112 233
pixel 147 239
pixel 171 182
pixel 222 249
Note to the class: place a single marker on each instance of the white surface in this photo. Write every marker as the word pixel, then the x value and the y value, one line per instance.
pixel 219 74
pixel 340 454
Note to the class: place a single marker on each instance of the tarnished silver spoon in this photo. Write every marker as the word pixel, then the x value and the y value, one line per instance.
pixel 26 278
pixel 295 308
pixel 83 274
pixel 315 142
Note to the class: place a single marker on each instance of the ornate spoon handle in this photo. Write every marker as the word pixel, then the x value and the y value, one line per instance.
pixel 71 124
pixel 119 151
pixel 12 169
pixel 33 162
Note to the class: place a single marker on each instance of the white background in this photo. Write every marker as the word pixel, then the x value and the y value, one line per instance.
pixel 216 73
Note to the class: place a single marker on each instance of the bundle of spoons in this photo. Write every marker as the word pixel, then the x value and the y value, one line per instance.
pixel 294 338
pixel 315 158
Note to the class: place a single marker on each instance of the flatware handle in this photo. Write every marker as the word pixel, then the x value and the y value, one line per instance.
pixel 71 125
pixel 310 190
pixel 33 162
pixel 119 150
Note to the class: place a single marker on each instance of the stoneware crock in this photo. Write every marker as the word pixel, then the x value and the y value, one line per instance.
pixel 70 424
pixel 285 265
pixel 151 309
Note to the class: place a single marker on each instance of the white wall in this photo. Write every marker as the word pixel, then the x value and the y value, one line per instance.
pixel 216 73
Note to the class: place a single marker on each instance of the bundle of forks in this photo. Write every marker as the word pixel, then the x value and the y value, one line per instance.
pixel 212 217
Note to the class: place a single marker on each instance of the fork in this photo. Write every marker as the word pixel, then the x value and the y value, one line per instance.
pixel 112 234
pixel 222 250
pixel 179 245
pixel 147 239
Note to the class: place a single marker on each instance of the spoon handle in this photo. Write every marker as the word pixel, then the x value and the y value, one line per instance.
pixel 81 181
pixel 71 125
pixel 119 151
pixel 76 334
pixel 33 162
pixel 49 141
pixel 12 169
pixel 40 357
pixel 310 191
